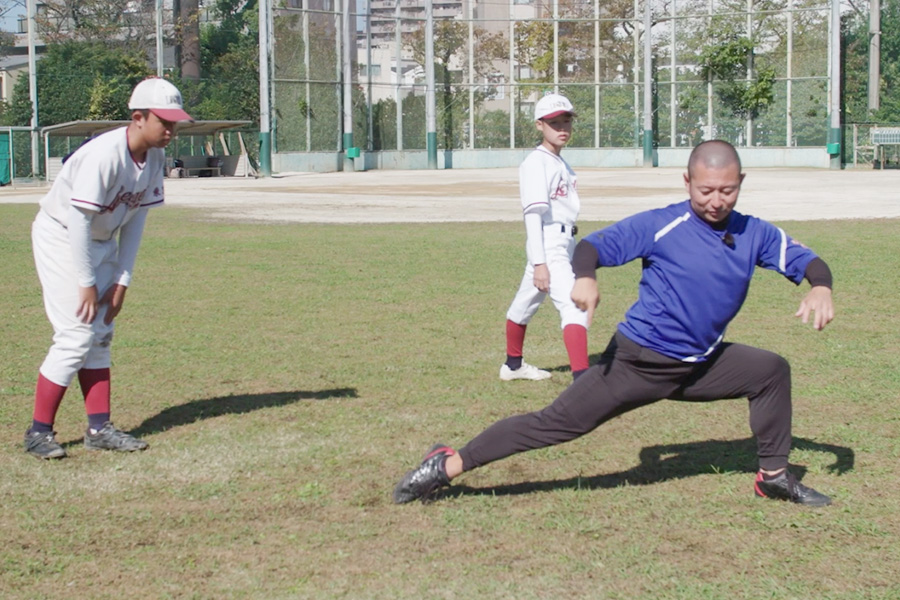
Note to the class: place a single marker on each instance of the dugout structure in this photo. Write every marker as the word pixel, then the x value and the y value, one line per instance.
pixel 753 72
pixel 886 145
pixel 194 143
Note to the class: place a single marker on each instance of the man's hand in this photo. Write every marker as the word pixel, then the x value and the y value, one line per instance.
pixel 114 297
pixel 586 296
pixel 818 300
pixel 87 304
pixel 542 277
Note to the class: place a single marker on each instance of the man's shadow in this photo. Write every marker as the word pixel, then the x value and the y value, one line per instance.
pixel 672 461
pixel 209 408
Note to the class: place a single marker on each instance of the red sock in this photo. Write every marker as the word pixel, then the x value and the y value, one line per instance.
pixel 515 338
pixel 575 339
pixel 47 398
pixel 95 385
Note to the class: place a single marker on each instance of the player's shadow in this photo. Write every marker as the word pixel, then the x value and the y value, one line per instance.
pixel 672 461
pixel 209 408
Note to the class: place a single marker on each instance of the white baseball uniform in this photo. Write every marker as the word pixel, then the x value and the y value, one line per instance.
pixel 550 203
pixel 86 233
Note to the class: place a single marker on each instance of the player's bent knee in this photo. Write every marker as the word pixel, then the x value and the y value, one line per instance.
pixel 574 316
pixel 774 367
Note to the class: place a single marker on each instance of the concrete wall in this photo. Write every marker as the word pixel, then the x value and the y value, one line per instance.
pixel 325 162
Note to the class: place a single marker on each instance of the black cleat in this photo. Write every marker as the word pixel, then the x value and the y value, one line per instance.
pixel 43 445
pixel 786 487
pixel 427 478
pixel 111 438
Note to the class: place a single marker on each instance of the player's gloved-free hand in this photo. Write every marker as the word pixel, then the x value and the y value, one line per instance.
pixel 87 304
pixel 115 298
pixel 817 300
pixel 586 296
pixel 542 277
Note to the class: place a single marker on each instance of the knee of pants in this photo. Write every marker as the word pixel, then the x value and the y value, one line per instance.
pixel 523 313
pixel 776 368
pixel 98 357
pixel 572 315
pixel 75 341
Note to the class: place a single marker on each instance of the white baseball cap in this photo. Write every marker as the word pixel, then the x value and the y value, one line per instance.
pixel 159 97
pixel 551 106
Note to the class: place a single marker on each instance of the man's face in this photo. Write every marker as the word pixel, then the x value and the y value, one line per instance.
pixel 713 190
pixel 556 130
pixel 157 132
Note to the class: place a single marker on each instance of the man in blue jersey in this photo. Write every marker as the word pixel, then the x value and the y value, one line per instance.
pixel 698 258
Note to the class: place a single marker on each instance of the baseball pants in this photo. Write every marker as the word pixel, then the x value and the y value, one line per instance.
pixel 629 376
pixel 558 248
pixel 76 345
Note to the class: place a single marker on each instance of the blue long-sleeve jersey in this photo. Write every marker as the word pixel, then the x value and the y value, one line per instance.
pixel 695 278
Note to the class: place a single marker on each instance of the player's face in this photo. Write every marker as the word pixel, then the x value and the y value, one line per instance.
pixel 713 190
pixel 157 132
pixel 556 130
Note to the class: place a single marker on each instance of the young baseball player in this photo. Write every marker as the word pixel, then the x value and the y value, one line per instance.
pixel 698 259
pixel 548 190
pixel 85 239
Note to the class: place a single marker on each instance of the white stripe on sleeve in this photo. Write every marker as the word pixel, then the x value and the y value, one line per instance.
pixel 671 226
pixel 782 251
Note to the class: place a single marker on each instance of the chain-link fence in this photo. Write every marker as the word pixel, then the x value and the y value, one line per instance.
pixel 754 72
pixel 16 156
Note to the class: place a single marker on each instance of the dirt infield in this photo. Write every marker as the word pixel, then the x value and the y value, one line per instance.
pixel 492 195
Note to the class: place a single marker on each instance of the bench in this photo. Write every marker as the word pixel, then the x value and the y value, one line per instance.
pixel 196 165
pixel 216 171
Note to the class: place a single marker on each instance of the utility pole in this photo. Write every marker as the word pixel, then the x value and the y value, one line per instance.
pixel 159 38
pixel 265 104
pixel 648 92
pixel 32 91
pixel 430 120
pixel 834 131
pixel 874 55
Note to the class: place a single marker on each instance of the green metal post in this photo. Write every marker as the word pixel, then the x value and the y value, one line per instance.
pixel 431 148
pixel 265 153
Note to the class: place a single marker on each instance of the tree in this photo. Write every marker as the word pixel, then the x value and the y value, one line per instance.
pixel 127 24
pixel 726 61
pixel 229 56
pixel 854 42
pixel 450 53
pixel 79 80
pixel 188 34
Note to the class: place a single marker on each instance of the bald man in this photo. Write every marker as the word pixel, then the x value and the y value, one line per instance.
pixel 698 258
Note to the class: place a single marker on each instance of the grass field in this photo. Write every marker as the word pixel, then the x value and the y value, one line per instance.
pixel 287 375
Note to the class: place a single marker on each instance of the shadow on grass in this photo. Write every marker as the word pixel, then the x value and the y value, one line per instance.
pixel 672 461
pixel 185 414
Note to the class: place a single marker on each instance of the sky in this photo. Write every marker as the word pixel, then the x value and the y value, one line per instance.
pixel 9 23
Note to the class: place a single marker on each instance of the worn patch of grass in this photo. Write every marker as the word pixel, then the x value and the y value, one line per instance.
pixel 287 375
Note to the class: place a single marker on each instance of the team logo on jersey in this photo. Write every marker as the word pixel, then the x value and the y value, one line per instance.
pixel 130 199
pixel 156 192
pixel 799 243
pixel 562 191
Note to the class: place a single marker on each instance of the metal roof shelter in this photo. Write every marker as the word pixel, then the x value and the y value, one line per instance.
pixel 881 137
pixel 86 129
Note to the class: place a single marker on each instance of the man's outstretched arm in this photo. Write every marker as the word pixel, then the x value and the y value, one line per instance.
pixel 585 294
pixel 818 299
